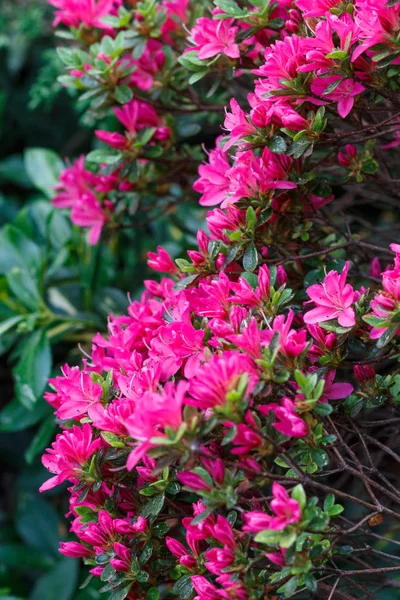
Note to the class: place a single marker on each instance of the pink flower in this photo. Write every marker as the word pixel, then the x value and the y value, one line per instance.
pixel 89 12
pixel 316 8
pixel 89 214
pixel 289 423
pixel 343 94
pixel 236 122
pixel 286 510
pixel 291 342
pixel 334 391
pixel 69 454
pixel 219 376
pixel 213 183
pixel 75 393
pixel 376 23
pixel 218 559
pixel 211 37
pixel 247 438
pixel 153 412
pixel 333 298
pixel 278 558
pixel 254 177
pixel 386 302
pixel 162 261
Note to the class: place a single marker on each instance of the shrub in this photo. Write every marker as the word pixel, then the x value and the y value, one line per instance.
pixel 208 435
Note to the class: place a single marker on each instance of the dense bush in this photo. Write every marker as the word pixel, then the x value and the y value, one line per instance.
pixel 232 435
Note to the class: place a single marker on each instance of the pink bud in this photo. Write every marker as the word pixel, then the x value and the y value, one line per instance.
pixel 74 550
pixel 220 260
pixel 375 268
pixel 162 133
pixel 264 282
pixel 193 481
pixel 175 547
pixel 364 373
pixel 188 561
pixel 202 240
pixel 281 275
pixel 116 140
pixel 215 467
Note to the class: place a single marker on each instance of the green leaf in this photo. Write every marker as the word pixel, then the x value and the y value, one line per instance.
pixel 153 594
pixel 24 288
pixel 41 439
pixel 33 369
pixel 332 87
pixel 15 417
pixel 323 409
pixel 250 257
pixel 154 506
pixel 59 584
pixel 387 336
pixel 121 592
pixel 277 144
pixel 251 218
pixel 20 557
pixel 268 536
pixel 183 587
pixel 311 583
pixel 43 167
pixel 329 502
pixel 17 250
pixel 336 510
pixel 287 539
pixel 299 494
pixel 289 588
pixel 102 156
pixel 37 523
pixel 197 76
pixel 10 323
pixel 123 94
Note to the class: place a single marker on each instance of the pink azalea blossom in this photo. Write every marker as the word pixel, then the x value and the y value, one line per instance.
pixel 213 183
pixel 286 510
pixel 333 298
pixel 74 13
pixel 386 302
pixel 161 261
pixel 237 124
pixel 211 37
pixel 75 393
pixel 289 423
pixel 344 94
pixel 153 412
pixel 316 8
pixel 376 23
pixel 219 376
pixel 335 391
pixel 69 454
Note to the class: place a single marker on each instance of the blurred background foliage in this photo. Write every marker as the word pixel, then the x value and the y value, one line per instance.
pixel 55 292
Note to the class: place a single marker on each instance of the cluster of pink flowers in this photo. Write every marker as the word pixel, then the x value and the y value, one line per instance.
pixel 386 303
pixel 295 70
pixel 223 367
